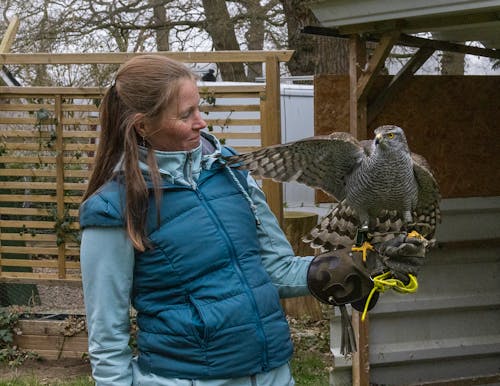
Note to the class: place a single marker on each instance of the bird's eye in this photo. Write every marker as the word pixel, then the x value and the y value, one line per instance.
pixel 390 135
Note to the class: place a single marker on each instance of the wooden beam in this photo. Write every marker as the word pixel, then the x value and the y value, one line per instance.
pixel 30 278
pixel 87 92
pixel 413 41
pixel 398 81
pixel 376 63
pixel 441 45
pixel 9 36
pixel 120 57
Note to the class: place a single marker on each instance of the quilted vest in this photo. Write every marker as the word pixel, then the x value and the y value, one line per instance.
pixel 206 308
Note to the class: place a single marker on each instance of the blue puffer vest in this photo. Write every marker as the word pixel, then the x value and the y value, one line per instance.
pixel 206 306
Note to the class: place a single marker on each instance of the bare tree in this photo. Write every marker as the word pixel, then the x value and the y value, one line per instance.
pixel 148 25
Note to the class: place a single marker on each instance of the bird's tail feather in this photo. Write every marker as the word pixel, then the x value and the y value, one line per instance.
pixel 348 339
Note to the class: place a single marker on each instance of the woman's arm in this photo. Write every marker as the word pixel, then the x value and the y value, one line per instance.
pixel 287 271
pixel 107 264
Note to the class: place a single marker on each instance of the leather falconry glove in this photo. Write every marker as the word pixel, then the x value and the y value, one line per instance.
pixel 339 278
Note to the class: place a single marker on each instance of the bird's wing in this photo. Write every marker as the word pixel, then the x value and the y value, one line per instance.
pixel 366 144
pixel 427 210
pixel 319 162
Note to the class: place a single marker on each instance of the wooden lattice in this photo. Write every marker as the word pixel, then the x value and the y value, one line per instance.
pixel 48 139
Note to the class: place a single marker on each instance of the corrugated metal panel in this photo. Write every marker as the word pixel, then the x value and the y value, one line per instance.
pixel 444 18
pixel 334 13
pixel 451 327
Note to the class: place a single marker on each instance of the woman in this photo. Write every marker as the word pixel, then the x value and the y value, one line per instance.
pixel 189 242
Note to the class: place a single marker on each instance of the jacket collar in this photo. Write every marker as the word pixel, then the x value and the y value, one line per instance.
pixel 184 167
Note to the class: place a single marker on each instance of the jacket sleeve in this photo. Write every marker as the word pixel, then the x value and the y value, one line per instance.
pixel 107 263
pixel 288 272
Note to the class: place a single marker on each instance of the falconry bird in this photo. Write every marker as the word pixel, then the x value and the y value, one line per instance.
pixel 382 188
pixel 383 191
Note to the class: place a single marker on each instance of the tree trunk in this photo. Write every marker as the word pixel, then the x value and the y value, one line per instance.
pixel 162 32
pixel 221 30
pixel 452 63
pixel 313 54
pixel 255 35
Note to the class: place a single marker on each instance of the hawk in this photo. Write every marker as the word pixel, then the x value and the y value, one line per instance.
pixel 382 189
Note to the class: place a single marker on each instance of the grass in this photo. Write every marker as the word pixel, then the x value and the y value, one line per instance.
pixel 309 370
pixel 312 360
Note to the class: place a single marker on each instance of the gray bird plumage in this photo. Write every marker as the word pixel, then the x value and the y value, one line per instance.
pixel 380 185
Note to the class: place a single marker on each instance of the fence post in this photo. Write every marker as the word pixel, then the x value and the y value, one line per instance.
pixel 61 254
pixel 271 131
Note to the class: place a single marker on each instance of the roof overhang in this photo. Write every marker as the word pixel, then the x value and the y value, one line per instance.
pixel 450 20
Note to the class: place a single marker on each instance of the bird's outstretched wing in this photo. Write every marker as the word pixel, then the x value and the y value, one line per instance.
pixel 319 162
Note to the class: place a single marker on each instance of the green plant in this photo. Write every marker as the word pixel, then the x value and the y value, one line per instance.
pixel 8 323
pixel 62 227
pixel 207 96
pixel 9 353
pixel 43 117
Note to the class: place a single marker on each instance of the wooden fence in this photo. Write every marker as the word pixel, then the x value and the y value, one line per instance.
pixel 48 139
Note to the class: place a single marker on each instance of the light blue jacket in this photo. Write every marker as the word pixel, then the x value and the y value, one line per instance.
pixel 107 260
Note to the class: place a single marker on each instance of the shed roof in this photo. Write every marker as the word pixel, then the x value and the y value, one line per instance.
pixel 451 20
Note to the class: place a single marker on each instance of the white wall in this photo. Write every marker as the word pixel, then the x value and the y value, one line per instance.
pixel 297 122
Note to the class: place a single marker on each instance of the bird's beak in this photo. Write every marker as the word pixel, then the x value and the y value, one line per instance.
pixel 378 139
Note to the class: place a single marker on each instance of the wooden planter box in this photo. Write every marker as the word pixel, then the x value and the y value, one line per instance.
pixel 47 338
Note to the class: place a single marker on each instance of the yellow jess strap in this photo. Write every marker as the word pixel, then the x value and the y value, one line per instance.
pixel 385 281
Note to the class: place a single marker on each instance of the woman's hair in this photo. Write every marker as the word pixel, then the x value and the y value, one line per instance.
pixel 143 87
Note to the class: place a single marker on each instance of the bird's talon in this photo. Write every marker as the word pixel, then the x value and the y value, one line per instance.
pixel 364 248
pixel 415 235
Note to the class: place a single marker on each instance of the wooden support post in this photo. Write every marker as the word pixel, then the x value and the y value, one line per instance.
pixel 61 255
pixel 360 358
pixel 358 128
pixel 5 45
pixel 9 36
pixel 271 131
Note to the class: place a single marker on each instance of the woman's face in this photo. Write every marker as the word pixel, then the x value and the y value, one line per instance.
pixel 178 127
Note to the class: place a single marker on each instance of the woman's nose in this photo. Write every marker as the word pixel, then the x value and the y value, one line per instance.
pixel 199 122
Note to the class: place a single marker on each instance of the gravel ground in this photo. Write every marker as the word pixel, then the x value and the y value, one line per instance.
pixel 60 299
